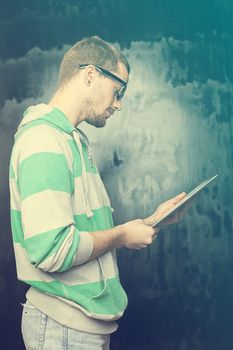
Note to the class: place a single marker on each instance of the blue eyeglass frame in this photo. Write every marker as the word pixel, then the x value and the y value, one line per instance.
pixel 106 73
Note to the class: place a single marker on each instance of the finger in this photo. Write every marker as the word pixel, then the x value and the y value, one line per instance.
pixel 141 247
pixel 155 236
pixel 149 220
pixel 179 197
pixel 156 231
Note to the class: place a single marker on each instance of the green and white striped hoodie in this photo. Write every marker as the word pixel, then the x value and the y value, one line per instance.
pixel 57 198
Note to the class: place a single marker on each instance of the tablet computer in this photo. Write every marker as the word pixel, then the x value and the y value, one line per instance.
pixel 185 200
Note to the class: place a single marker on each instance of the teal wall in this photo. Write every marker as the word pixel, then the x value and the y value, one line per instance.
pixel 175 129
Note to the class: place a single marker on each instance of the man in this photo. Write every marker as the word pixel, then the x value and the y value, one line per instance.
pixel 64 237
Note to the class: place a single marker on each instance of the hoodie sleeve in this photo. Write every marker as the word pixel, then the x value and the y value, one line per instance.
pixel 45 183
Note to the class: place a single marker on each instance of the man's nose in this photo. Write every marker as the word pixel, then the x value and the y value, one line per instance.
pixel 117 105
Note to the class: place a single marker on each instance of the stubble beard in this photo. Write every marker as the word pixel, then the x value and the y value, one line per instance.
pixel 96 120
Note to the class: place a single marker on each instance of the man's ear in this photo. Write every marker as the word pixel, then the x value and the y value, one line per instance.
pixel 90 74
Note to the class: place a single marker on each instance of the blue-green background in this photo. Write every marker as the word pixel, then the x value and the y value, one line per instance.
pixel 175 130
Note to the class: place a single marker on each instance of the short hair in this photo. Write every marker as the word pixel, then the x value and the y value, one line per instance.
pixel 92 50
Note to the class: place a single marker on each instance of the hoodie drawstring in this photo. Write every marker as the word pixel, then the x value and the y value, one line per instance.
pixel 89 213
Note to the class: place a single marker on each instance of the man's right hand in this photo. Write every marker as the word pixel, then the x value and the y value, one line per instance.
pixel 132 234
pixel 137 235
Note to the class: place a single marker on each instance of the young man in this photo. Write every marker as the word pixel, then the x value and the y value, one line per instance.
pixel 63 233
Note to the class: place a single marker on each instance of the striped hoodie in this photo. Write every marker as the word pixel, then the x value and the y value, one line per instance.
pixel 57 199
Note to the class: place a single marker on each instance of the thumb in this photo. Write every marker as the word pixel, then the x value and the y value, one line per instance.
pixel 179 197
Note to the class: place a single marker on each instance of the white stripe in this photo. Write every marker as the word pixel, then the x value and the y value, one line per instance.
pixel 41 138
pixel 96 196
pixel 68 137
pixel 46 211
pixel 54 262
pixel 15 196
pixel 27 271
pixel 85 248
pixel 89 272
pixel 108 262
pixel 35 112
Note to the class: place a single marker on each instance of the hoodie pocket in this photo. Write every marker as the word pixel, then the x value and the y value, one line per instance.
pixel 111 300
pixel 102 279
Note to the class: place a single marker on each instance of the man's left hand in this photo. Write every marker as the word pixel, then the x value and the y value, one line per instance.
pixel 164 208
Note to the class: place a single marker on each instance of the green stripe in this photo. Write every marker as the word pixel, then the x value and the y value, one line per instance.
pixel 113 299
pixel 102 220
pixel 43 245
pixel 91 168
pixel 111 302
pixel 42 171
pixel 11 172
pixel 16 226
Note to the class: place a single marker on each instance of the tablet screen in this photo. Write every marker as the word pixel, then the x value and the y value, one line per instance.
pixel 185 200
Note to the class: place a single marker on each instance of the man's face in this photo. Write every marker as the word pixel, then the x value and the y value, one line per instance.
pixel 104 97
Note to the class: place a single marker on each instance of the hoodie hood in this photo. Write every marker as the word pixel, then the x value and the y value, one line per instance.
pixel 56 118
pixel 42 112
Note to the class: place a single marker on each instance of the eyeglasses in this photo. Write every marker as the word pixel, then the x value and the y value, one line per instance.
pixel 120 93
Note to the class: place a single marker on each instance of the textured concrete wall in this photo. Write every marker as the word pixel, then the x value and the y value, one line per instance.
pixel 175 129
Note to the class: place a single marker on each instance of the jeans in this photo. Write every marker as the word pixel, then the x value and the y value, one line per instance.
pixel 40 332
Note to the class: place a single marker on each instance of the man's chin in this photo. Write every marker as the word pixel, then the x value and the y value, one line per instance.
pixel 97 123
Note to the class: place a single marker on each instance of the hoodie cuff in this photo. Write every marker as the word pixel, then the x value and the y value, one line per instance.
pixel 84 249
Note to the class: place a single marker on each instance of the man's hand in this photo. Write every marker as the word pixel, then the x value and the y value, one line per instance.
pixel 132 234
pixel 137 235
pixel 164 208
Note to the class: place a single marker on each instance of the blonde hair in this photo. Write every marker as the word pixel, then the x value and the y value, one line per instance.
pixel 92 50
